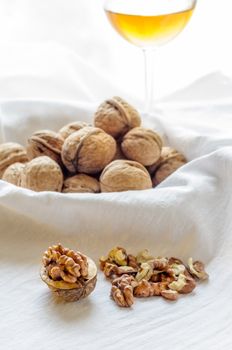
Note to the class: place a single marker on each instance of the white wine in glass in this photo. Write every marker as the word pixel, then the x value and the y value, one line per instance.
pixel 149 24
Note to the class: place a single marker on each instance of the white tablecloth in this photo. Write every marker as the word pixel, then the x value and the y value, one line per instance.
pixel 187 215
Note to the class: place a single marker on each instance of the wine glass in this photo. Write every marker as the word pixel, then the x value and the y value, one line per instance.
pixel 149 24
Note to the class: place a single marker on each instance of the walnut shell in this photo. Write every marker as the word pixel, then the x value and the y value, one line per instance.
pixel 142 145
pixel 11 153
pixel 116 117
pixel 72 291
pixel 70 128
pixel 13 174
pixel 45 143
pixel 124 175
pixel 88 150
pixel 42 174
pixel 167 153
pixel 169 162
pixel 81 183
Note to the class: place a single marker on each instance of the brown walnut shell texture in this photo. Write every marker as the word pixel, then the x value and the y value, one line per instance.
pixel 169 162
pixel 88 150
pixel 124 175
pixel 13 174
pixel 42 174
pixel 142 145
pixel 70 128
pixel 81 183
pixel 45 143
pixel 72 291
pixel 116 117
pixel 11 153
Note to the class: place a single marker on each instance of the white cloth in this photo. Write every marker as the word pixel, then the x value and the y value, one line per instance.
pixel 189 214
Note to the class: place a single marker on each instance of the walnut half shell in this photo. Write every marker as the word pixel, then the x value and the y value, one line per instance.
pixel 72 291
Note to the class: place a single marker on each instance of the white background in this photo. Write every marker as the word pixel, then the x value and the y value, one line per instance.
pixel 81 26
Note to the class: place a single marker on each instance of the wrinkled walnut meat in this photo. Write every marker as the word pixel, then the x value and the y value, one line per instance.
pixel 68 273
pixel 145 276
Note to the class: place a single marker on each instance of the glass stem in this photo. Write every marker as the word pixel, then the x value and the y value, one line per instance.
pixel 149 86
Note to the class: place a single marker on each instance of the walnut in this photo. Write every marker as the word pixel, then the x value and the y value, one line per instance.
pixel 116 117
pixel 117 256
pixel 88 150
pixel 144 256
pixel 68 273
pixel 169 294
pixel 42 174
pixel 146 276
pixel 160 264
pixel 13 174
pixel 122 290
pixel 146 289
pixel 169 162
pixel 11 153
pixel 197 269
pixel 70 128
pixel 81 183
pixel 112 271
pixel 124 175
pixel 132 261
pixel 45 143
pixel 145 272
pixel 183 284
pixel 142 145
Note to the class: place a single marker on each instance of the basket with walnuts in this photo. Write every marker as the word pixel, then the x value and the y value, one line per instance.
pixel 114 154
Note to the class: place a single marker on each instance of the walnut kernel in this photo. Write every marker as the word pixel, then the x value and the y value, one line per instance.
pixel 68 273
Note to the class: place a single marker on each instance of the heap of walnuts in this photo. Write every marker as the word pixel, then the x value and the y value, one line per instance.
pixel 145 276
pixel 114 154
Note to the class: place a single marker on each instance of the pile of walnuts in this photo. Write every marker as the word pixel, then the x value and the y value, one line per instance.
pixel 115 154
pixel 144 276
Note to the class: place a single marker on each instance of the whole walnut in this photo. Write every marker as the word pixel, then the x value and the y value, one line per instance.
pixel 124 175
pixel 81 183
pixel 13 174
pixel 169 162
pixel 88 150
pixel 116 117
pixel 45 143
pixel 142 145
pixel 11 153
pixel 70 128
pixel 42 174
